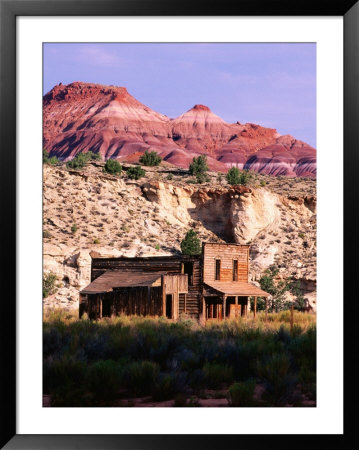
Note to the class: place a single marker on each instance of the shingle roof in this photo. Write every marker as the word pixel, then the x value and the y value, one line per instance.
pixel 236 288
pixel 119 278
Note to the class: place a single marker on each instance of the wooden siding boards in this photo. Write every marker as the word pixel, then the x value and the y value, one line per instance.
pixel 226 253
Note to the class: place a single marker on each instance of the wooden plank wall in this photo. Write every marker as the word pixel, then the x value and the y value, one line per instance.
pixel 226 253
pixel 176 283
pixel 144 301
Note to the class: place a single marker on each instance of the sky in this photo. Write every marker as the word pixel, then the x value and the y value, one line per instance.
pixel 271 84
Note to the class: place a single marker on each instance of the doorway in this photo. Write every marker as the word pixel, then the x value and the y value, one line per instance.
pixel 187 267
pixel 169 309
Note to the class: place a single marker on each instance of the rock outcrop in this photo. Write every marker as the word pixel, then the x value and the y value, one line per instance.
pixel 80 117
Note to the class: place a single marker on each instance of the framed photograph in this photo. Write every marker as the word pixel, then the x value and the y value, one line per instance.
pixel 173 181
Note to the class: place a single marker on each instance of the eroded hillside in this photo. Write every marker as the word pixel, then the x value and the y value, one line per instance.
pixel 90 214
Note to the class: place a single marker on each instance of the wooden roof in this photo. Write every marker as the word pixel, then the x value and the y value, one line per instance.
pixel 118 278
pixel 235 288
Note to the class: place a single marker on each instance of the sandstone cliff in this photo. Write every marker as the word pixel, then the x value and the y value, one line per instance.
pixel 89 213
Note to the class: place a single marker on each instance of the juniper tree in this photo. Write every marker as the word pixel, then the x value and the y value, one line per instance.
pixel 191 245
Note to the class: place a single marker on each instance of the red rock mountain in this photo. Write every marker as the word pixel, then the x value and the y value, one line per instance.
pixel 80 117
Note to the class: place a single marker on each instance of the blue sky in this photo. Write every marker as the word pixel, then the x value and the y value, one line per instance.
pixel 273 85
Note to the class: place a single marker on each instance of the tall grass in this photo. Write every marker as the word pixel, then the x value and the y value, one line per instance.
pixel 92 363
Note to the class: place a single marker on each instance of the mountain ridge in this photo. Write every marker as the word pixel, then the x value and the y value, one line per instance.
pixel 79 117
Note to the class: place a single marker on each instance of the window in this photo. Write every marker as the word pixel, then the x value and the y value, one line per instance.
pixel 235 270
pixel 218 269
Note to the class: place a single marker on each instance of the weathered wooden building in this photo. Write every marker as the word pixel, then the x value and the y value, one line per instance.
pixel 212 285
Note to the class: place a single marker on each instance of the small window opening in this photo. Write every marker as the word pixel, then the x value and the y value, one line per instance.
pixel 218 269
pixel 235 270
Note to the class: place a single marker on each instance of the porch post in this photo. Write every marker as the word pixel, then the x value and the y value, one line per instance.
pixel 236 306
pixel 255 307
pixel 100 307
pixel 266 308
pixel 163 286
pixel 203 308
pixel 224 306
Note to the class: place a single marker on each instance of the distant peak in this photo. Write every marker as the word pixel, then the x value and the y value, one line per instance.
pixel 80 89
pixel 200 108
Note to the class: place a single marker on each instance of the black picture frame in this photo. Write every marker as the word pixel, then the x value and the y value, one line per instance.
pixel 9 10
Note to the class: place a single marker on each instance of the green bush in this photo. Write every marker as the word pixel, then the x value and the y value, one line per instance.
pixel 241 394
pixel 46 160
pixel 78 162
pixel 191 245
pixel 274 371
pixel 104 378
pixel 74 228
pixel 49 286
pixel 113 167
pixel 150 159
pixel 165 388
pixel 91 156
pixel 235 176
pixel 140 377
pixel 217 374
pixel 202 178
pixel 135 173
pixel 198 166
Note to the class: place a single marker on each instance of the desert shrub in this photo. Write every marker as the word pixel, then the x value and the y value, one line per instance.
pixel 235 176
pixel 170 177
pixel 91 156
pixel 274 371
pixel 263 183
pixel 150 158
pixel 66 371
pixel 72 396
pixel 140 377
pixel 167 386
pixel 74 228
pixel 54 342
pixel 104 378
pixel 47 160
pixel 49 286
pixel 217 374
pixel 112 166
pixel 241 394
pixel 180 401
pixel 79 162
pixel 191 245
pixel 199 166
pixel 46 234
pixel 135 173
pixel 202 178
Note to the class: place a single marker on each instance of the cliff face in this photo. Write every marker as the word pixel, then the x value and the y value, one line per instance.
pixel 106 119
pixel 119 217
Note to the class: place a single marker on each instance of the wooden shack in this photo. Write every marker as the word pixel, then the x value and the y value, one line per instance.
pixel 213 285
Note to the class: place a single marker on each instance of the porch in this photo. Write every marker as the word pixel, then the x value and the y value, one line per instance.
pixel 223 300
